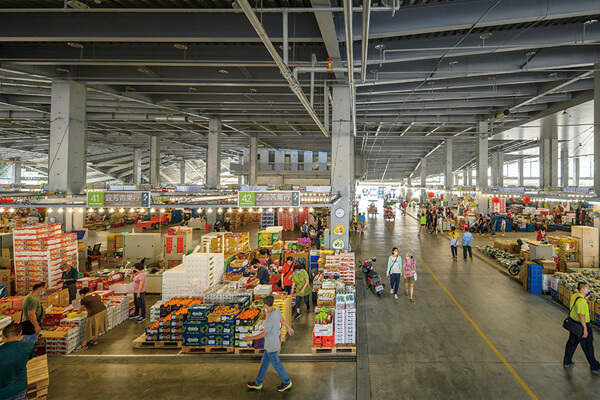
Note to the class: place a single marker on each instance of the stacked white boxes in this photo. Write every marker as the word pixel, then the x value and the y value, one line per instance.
pixel 78 325
pixel 348 268
pixel 223 294
pixel 64 345
pixel 198 273
pixel 345 317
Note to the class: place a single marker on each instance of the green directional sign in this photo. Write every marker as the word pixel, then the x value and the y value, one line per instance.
pixel 269 198
pixel 245 199
pixel 95 199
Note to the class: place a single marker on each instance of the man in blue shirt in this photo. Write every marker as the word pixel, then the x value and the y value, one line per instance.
pixel 14 355
pixel 467 240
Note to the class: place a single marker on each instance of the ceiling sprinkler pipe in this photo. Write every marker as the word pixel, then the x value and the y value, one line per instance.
pixel 350 60
pixel 500 115
pixel 285 71
pixel 366 21
pixel 299 70
pixel 171 118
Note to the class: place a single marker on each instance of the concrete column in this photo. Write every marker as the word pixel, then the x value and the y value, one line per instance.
pixel 469 177
pixel 482 165
pixel 308 160
pixel 576 173
pixel 497 161
pixel 154 160
pixel 67 158
pixel 548 153
pixel 423 180
pixel 597 129
pixel 182 172
pixel 409 181
pixel 564 166
pixel 342 173
pixel 482 155
pixel 294 160
pixel 521 181
pixel 448 178
pixel 323 161
pixel 465 174
pixel 213 159
pixel 253 162
pixel 137 166
pixel 264 160
pixel 211 217
pixel 279 160
pixel 16 170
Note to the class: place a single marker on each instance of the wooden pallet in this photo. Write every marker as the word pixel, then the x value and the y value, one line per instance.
pixel 334 350
pixel 37 377
pixel 142 343
pixel 248 350
pixel 207 349
pixel 39 393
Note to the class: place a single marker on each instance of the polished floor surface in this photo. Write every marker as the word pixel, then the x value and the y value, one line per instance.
pixel 472 333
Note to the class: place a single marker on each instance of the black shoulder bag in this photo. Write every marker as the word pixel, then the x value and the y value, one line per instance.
pixel 571 325
pixel 27 327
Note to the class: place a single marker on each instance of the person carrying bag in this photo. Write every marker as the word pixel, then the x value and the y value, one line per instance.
pixel 580 330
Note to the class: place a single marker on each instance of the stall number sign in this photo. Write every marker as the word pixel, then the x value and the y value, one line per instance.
pixel 269 199
pixel 118 199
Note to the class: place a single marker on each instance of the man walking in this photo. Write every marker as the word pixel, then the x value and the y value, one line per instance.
pixel 272 336
pixel 14 355
pixel 362 219
pixel 467 240
pixel 581 313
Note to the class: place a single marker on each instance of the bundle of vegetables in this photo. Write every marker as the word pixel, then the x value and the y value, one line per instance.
pixel 592 278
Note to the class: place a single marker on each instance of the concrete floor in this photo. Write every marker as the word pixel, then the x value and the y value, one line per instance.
pixel 422 350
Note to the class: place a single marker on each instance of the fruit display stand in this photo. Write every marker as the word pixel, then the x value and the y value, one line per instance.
pixel 38 378
pixel 335 322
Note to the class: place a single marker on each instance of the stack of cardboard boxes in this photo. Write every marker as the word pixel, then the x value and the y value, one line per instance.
pixel 39 250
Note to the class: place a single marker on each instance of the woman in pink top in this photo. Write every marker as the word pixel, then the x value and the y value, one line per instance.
pixel 409 272
pixel 139 293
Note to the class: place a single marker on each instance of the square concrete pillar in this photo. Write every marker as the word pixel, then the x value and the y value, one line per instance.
pixel 155 160
pixel 213 159
pixel 137 166
pixel 252 155
pixel 67 158
pixel 342 173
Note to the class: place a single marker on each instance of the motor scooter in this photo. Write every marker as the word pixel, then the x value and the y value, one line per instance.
pixel 372 278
